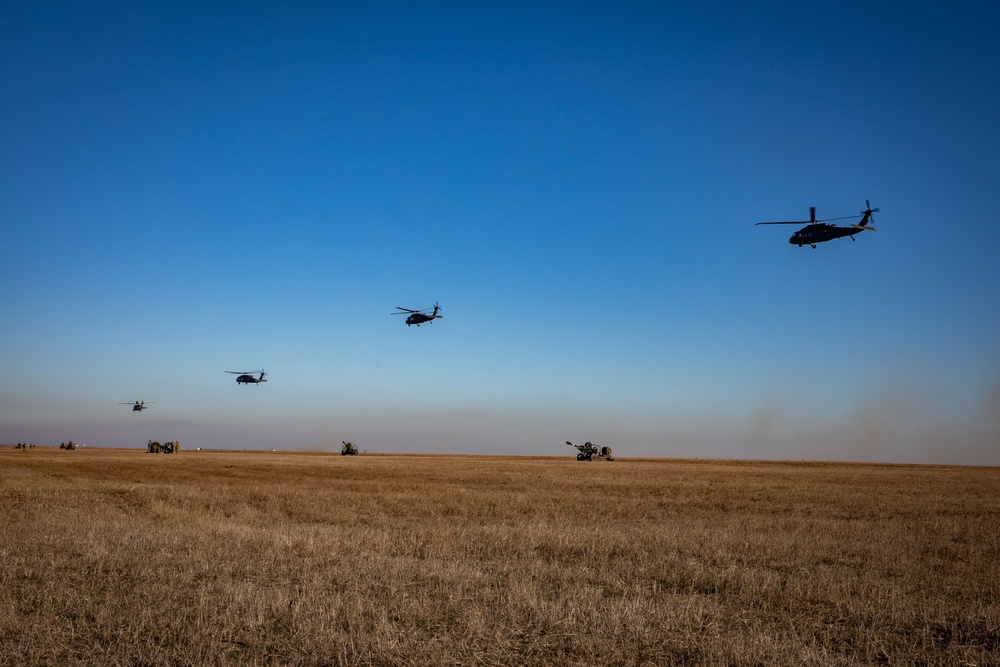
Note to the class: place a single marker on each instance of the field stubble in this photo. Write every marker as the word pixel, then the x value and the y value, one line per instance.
pixel 118 557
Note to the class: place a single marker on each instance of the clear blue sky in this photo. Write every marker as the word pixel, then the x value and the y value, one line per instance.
pixel 189 188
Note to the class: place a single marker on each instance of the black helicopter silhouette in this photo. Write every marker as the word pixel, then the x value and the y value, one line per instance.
pixel 139 406
pixel 419 317
pixel 818 231
pixel 246 377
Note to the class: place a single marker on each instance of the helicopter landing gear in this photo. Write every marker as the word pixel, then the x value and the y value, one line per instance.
pixel 813 245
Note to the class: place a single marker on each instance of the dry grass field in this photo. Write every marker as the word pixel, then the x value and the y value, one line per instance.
pixel 119 557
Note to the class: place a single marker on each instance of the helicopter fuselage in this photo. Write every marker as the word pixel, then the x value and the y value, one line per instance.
pixel 820 232
pixel 419 318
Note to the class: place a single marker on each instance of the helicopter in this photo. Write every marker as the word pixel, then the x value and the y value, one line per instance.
pixel 418 317
pixel 246 377
pixel 818 231
pixel 139 406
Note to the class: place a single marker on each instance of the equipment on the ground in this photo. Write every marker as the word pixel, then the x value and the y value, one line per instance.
pixel 591 452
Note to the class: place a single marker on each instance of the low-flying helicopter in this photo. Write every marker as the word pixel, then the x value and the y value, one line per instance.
pixel 246 377
pixel 818 231
pixel 139 406
pixel 418 317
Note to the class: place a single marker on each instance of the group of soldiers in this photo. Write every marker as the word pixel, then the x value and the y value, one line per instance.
pixel 24 445
pixel 166 448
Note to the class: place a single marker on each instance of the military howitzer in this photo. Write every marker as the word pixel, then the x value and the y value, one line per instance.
pixel 349 449
pixel 67 445
pixel 588 451
pixel 585 452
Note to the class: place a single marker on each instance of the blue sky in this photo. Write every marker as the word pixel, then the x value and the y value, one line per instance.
pixel 188 189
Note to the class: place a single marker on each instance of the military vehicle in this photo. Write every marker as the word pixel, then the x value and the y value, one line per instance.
pixel 67 445
pixel 419 317
pixel 349 449
pixel 591 452
pixel 818 231
pixel 247 378
pixel 139 406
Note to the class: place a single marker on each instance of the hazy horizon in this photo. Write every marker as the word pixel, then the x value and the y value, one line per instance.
pixel 190 189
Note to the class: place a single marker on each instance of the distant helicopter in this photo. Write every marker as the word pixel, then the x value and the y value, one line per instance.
pixel 139 406
pixel 418 317
pixel 818 231
pixel 246 377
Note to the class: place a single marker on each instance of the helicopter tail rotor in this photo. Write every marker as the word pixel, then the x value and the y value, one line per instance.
pixel 867 216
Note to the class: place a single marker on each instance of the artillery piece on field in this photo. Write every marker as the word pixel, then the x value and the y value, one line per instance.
pixel 591 452
pixel 67 445
pixel 171 447
pixel 349 449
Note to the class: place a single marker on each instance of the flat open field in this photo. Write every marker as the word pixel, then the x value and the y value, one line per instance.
pixel 119 557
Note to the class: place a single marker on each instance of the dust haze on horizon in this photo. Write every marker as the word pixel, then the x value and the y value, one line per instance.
pixel 188 190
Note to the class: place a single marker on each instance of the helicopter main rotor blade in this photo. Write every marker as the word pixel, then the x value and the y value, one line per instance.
pixel 807 222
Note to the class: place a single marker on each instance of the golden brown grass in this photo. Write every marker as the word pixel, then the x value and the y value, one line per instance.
pixel 120 557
